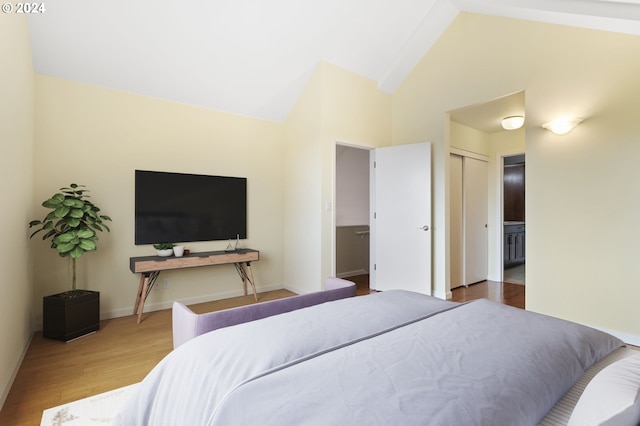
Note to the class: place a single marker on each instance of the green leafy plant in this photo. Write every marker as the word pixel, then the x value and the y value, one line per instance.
pixel 163 246
pixel 71 224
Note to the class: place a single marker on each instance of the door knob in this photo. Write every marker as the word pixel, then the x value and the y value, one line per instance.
pixel 425 228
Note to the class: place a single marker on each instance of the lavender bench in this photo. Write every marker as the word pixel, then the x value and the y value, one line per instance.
pixel 187 324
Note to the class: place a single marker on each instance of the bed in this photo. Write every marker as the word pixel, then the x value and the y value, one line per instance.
pixel 395 357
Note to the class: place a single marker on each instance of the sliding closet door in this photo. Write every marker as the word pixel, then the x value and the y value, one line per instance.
pixel 475 188
pixel 456 238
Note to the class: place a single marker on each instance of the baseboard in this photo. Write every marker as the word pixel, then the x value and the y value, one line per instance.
pixel 351 273
pixel 150 307
pixel 441 295
pixel 297 290
pixel 14 373
pixel 159 306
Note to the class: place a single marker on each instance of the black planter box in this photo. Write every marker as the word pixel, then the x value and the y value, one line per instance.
pixel 71 314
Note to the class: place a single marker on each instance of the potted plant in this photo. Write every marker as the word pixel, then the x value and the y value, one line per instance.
pixel 164 249
pixel 71 225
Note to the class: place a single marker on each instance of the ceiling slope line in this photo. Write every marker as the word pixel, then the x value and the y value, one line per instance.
pixel 434 23
pixel 601 15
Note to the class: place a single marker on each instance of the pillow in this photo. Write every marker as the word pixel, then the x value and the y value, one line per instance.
pixel 612 397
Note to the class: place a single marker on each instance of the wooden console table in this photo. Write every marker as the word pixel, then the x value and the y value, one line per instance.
pixel 150 267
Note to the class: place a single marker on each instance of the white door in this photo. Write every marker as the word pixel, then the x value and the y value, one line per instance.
pixel 401 218
pixel 475 182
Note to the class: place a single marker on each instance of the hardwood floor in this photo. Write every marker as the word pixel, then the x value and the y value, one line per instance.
pixel 123 352
pixel 120 353
pixel 507 293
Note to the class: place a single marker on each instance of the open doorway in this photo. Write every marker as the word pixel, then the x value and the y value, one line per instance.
pixel 514 235
pixel 352 240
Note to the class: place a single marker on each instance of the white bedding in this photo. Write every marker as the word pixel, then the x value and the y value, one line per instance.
pixel 561 412
pixel 391 358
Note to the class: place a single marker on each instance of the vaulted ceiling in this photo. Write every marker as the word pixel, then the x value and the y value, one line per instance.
pixel 253 57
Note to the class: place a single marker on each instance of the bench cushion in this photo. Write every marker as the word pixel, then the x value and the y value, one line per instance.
pixel 187 324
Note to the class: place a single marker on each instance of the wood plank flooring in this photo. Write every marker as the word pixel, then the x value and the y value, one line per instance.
pixel 506 293
pixel 123 352
pixel 120 353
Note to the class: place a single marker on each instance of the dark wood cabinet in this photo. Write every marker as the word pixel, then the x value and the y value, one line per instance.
pixel 514 192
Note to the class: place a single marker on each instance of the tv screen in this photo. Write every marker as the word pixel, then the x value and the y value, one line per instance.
pixel 180 208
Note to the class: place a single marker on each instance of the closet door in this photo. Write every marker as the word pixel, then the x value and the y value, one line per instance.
pixel 456 238
pixel 475 211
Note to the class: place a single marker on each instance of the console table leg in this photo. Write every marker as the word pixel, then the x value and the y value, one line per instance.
pixel 139 294
pixel 247 276
pixel 147 280
pixel 143 296
pixel 253 286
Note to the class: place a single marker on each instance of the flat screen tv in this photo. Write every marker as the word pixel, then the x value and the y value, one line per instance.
pixel 180 208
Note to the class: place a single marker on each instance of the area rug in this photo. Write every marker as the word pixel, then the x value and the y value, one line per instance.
pixel 94 410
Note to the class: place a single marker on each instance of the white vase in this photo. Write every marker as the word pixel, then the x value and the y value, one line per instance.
pixel 178 251
pixel 165 253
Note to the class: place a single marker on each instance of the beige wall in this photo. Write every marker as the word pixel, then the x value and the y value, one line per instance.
pixel 98 137
pixel 468 139
pixel 16 169
pixel 303 162
pixel 581 198
pixel 336 106
pixel 354 111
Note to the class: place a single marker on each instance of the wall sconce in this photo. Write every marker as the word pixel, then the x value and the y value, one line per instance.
pixel 562 126
pixel 512 122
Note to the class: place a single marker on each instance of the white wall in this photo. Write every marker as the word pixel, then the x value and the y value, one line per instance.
pixel 352 186
pixel 16 170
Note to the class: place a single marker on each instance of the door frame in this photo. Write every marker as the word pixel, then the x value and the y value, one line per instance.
pixel 334 188
pixel 500 215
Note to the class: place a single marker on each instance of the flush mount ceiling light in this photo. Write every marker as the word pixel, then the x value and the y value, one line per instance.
pixel 512 122
pixel 562 126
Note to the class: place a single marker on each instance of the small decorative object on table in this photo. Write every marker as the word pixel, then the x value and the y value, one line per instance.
pixel 231 247
pixel 164 249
